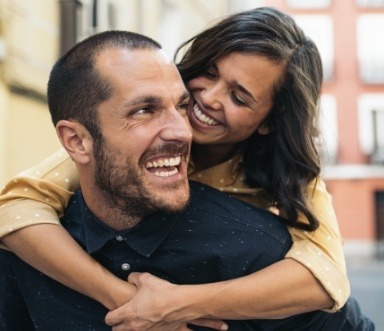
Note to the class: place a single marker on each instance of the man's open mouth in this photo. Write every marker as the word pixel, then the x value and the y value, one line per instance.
pixel 164 167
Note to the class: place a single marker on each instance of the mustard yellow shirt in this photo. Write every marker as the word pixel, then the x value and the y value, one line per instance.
pixel 40 194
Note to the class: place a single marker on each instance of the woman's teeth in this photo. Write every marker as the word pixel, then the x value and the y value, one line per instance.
pixel 202 117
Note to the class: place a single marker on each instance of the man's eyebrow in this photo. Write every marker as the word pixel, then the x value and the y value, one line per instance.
pixel 147 99
pixel 184 96
pixel 243 90
pixel 153 100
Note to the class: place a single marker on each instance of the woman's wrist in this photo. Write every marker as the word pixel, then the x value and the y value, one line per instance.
pixel 186 303
pixel 113 292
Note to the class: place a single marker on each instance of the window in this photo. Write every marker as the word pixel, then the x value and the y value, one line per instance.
pixel 30 38
pixel 309 4
pixel 370 55
pixel 379 203
pixel 371 126
pixel 370 3
pixel 92 16
pixel 82 18
pixel 180 20
pixel 327 142
pixel 236 6
pixel 322 37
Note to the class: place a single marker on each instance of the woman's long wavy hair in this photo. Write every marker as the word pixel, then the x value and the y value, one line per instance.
pixel 284 161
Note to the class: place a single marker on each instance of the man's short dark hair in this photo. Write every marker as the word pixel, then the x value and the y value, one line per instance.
pixel 75 88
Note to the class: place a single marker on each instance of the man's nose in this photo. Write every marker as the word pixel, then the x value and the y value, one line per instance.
pixel 176 127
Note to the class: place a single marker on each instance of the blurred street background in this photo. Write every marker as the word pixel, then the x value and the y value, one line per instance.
pixel 350 38
pixel 367 286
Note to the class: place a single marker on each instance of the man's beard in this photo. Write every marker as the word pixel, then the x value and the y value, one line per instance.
pixel 123 183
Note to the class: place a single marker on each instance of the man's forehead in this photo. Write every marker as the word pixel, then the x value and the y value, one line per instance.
pixel 137 58
pixel 134 66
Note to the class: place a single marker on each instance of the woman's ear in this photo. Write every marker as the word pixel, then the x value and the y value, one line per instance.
pixel 263 129
pixel 76 139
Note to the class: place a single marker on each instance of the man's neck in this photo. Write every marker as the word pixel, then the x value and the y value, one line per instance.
pixel 110 212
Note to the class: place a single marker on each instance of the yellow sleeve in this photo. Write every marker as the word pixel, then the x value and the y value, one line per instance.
pixel 321 251
pixel 39 194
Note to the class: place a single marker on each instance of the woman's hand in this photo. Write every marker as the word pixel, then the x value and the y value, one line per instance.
pixel 213 324
pixel 158 305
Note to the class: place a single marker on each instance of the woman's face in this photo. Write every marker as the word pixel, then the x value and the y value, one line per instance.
pixel 231 100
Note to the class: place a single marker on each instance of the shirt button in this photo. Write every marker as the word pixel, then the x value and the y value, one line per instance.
pixel 125 266
pixel 119 238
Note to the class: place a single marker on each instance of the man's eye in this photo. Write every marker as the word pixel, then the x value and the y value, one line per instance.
pixel 183 107
pixel 142 111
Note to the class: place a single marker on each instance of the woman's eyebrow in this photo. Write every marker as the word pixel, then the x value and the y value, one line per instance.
pixel 243 90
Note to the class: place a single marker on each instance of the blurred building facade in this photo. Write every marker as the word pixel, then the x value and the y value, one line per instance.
pixel 350 39
pixel 349 34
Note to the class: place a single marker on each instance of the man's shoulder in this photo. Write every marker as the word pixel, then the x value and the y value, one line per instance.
pixel 207 197
pixel 211 201
pixel 73 209
pixel 72 220
pixel 204 196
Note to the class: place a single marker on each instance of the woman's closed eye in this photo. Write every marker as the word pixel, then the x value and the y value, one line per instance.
pixel 210 74
pixel 237 100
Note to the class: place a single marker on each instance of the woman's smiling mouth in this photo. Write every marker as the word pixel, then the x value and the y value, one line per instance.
pixel 202 117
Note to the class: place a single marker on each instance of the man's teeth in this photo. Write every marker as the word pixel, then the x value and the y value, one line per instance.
pixel 202 117
pixel 171 162
pixel 161 163
pixel 166 173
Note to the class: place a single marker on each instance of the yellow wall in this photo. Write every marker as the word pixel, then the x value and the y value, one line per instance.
pixel 29 31
pixel 3 132
pixel 27 134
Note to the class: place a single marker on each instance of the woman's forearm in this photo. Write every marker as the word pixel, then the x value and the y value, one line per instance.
pixel 283 289
pixel 280 290
pixel 50 249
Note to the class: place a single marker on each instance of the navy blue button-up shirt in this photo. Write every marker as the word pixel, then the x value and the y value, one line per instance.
pixel 215 238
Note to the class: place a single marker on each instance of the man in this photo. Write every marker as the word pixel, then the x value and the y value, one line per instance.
pixel 118 105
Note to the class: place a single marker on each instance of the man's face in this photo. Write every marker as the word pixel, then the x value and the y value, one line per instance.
pixel 141 163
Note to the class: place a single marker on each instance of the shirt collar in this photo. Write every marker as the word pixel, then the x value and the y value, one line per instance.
pixel 144 238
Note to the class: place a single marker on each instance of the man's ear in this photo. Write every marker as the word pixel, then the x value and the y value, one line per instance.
pixel 76 139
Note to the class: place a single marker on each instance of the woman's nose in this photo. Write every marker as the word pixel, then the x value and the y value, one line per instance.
pixel 212 96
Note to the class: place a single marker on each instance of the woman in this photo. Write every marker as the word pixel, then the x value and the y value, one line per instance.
pixel 255 82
